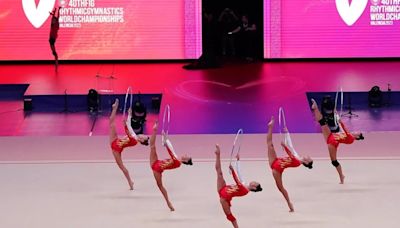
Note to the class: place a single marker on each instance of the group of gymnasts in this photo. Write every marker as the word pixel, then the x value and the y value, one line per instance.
pixel 131 139
pixel 240 188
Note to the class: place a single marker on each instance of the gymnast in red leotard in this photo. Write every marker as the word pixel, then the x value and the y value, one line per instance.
pixel 227 192
pixel 334 139
pixel 279 164
pixel 119 144
pixel 159 166
pixel 55 26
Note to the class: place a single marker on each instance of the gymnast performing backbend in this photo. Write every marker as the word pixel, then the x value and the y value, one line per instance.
pixel 334 139
pixel 227 192
pixel 279 164
pixel 119 144
pixel 159 166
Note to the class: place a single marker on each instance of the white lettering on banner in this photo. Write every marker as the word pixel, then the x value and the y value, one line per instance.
pixel 72 14
pixel 85 11
pixel 81 3
pixel 384 12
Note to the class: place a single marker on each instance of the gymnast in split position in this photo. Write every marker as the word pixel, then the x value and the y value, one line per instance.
pixel 159 166
pixel 279 164
pixel 227 192
pixel 334 139
pixel 129 140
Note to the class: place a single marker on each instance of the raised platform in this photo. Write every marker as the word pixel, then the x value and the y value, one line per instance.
pixel 11 92
pixel 73 102
pixel 360 116
pixel 79 103
pixel 357 100
pixel 206 101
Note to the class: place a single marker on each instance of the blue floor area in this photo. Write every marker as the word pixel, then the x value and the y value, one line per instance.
pixel 79 103
pixel 217 101
pixel 64 114
pixel 358 114
pixel 12 91
pixel 48 118
pixel 357 100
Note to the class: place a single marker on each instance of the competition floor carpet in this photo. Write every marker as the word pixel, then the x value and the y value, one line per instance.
pixel 73 182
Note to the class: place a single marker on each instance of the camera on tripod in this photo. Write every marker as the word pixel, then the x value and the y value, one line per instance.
pixel 375 97
pixel 139 113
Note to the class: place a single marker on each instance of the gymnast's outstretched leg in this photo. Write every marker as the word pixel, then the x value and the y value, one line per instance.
pixel 113 138
pixel 327 133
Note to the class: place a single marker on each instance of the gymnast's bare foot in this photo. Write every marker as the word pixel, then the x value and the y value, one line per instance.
pixel 271 122
pixel 171 207
pixel 131 185
pixel 342 179
pixel 313 104
pixel 115 105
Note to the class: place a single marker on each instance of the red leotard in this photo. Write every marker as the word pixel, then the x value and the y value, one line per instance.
pixel 229 191
pixel 161 165
pixel 345 137
pixel 119 144
pixel 280 164
pixel 54 27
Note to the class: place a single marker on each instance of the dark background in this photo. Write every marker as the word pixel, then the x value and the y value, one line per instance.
pixel 253 8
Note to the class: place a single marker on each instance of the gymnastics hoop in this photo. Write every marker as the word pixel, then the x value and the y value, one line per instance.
pixel 128 91
pixel 165 125
pixel 341 101
pixel 237 142
pixel 281 120
pixel 341 104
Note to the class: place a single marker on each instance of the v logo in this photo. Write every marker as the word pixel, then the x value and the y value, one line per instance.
pixel 38 15
pixel 350 12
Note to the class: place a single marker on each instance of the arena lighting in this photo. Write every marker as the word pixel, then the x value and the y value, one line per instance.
pixel 28 104
pixel 375 97
pixel 93 100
